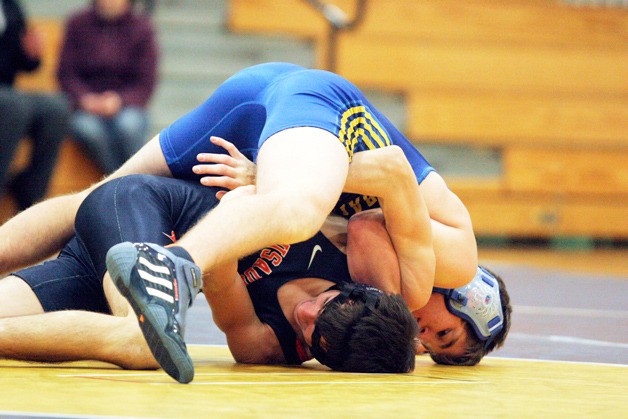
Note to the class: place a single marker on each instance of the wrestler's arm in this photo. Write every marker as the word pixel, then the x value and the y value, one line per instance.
pixel 41 231
pixel 250 341
pixel 371 257
pixel 452 232
pixel 406 215
pixel 454 240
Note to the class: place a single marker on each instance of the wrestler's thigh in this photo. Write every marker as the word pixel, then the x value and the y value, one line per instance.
pixel 304 162
pixel 17 298
pixel 148 160
pixel 66 283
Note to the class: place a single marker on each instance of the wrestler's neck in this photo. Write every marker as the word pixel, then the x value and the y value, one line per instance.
pixel 335 229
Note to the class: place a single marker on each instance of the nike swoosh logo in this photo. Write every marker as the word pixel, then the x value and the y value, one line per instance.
pixel 317 248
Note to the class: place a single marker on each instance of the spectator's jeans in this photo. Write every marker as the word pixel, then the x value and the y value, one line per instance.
pixel 111 141
pixel 44 119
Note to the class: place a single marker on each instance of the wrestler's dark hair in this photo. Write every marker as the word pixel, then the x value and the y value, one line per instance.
pixel 354 338
pixel 475 350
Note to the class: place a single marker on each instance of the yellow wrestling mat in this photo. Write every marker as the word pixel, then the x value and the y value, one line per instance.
pixel 222 389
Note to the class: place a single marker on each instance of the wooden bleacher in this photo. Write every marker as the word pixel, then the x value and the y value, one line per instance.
pixel 542 81
pixel 74 171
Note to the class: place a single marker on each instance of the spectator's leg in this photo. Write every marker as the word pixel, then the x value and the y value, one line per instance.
pixel 91 132
pixel 49 126
pixel 14 118
pixel 129 128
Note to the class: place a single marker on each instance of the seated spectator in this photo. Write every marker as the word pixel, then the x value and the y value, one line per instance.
pixel 108 69
pixel 40 116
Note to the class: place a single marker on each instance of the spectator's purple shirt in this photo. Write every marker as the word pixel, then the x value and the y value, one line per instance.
pixel 100 55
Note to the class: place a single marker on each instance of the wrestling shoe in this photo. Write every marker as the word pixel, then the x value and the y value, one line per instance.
pixel 160 287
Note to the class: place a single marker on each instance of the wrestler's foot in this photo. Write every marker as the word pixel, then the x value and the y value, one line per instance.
pixel 160 287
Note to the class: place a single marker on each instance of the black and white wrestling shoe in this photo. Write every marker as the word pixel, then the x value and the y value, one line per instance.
pixel 160 286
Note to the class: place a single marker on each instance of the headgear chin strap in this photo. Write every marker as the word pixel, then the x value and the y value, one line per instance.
pixel 479 303
pixel 348 291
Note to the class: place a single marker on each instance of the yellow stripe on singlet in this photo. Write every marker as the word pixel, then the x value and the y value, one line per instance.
pixel 356 124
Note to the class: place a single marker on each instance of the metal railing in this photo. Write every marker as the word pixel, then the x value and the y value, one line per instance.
pixel 337 21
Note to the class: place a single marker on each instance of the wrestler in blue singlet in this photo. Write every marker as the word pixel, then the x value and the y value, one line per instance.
pixel 262 100
pixel 158 210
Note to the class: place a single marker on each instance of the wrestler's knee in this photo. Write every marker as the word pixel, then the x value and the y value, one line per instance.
pixel 303 218
pixel 105 197
pixel 17 298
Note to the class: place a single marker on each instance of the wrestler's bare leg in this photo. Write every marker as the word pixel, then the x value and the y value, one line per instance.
pixel 17 298
pixel 27 333
pixel 300 175
pixel 41 230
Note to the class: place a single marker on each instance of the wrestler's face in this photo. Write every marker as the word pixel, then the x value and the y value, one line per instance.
pixel 440 332
pixel 307 311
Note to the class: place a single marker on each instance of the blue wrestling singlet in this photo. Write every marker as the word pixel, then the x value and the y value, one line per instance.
pixel 262 100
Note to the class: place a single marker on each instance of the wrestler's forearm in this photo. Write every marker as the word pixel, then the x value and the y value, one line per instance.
pixel 387 174
pixel 371 172
pixel 452 232
pixel 371 257
pixel 224 290
pixel 233 312
pixel 37 232
pixel 409 226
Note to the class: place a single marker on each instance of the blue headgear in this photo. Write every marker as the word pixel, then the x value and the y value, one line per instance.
pixel 479 303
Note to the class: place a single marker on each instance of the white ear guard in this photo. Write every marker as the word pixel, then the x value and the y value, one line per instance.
pixel 479 303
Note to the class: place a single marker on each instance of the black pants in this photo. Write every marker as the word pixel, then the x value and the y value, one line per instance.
pixel 44 119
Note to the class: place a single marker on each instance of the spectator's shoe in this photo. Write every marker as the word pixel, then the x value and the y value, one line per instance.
pixel 160 287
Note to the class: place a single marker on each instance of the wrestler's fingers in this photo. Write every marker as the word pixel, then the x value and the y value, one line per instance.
pixel 220 182
pixel 214 169
pixel 220 179
pixel 214 158
pixel 228 146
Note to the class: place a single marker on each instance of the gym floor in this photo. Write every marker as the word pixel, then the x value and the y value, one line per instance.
pixel 566 355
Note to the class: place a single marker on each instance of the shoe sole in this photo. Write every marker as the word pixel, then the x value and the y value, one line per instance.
pixel 168 349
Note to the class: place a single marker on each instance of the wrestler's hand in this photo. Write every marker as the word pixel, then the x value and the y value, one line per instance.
pixel 236 193
pixel 225 171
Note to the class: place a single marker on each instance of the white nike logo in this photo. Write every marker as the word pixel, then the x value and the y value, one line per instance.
pixel 317 248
